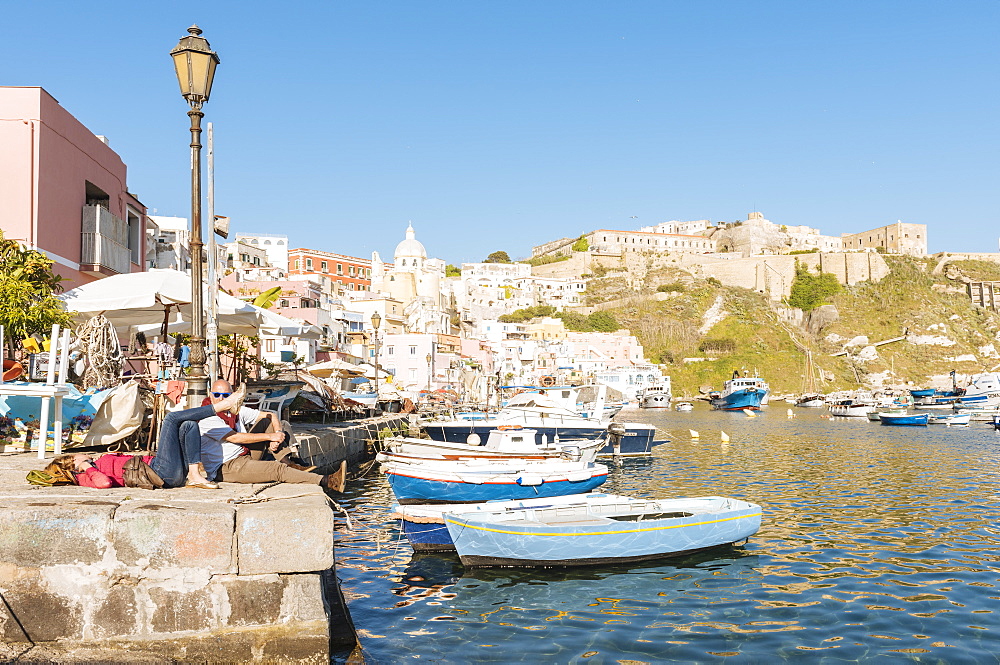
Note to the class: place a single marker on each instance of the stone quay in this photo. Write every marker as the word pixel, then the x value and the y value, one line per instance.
pixel 244 573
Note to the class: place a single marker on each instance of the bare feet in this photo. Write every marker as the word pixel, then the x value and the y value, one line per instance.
pixel 233 402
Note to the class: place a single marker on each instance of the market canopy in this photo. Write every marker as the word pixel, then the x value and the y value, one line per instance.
pixel 333 367
pixel 144 300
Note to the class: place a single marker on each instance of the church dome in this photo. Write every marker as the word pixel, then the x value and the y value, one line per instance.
pixel 411 247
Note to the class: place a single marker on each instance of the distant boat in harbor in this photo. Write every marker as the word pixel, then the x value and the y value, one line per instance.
pixel 811 400
pixel 904 419
pixel 656 396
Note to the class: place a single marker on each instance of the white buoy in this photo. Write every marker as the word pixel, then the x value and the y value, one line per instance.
pixel 791 414
pixel 694 435
pixel 725 437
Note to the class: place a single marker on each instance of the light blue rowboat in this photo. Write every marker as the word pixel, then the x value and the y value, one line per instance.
pixel 584 535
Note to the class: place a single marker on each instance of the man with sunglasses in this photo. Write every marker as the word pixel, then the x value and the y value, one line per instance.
pixel 231 445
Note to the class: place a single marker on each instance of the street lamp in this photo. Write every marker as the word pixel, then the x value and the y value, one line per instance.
pixel 195 62
pixel 376 321
pixel 428 358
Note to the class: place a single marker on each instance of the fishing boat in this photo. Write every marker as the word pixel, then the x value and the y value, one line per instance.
pixel 810 401
pixel 585 534
pixel 505 441
pixel 685 406
pixel 949 419
pixel 422 480
pixel 424 527
pixel 851 408
pixel 918 419
pixel 740 393
pixel 874 416
pixel 983 390
pixel 541 412
pixel 656 396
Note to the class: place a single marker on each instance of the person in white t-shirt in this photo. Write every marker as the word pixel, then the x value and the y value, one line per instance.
pixel 226 442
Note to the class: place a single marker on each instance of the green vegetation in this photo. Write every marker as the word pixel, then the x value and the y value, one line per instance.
pixel 809 290
pixel 978 271
pixel 28 285
pixel 452 271
pixel 596 322
pixel 498 257
pixel 672 287
pixel 814 250
pixel 546 259
pixel 528 313
pixel 581 244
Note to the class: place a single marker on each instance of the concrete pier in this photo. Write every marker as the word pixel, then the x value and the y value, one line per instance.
pixel 243 573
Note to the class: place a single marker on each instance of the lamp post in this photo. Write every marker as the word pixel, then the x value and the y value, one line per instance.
pixel 195 63
pixel 376 321
pixel 428 358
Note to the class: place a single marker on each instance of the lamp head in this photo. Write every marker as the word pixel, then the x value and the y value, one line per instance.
pixel 376 320
pixel 195 63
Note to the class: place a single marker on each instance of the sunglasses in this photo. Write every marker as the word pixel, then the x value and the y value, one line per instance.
pixel 221 394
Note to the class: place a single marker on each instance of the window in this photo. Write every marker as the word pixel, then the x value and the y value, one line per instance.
pixel 413 350
pixel 324 266
pixel 269 345
pixel 413 373
pixel 340 268
pixel 267 242
pixel 298 264
pixel 390 350
pixel 282 303
pixel 350 270
pixel 352 286
pixel 309 264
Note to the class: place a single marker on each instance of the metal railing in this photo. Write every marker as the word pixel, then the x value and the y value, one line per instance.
pixel 104 240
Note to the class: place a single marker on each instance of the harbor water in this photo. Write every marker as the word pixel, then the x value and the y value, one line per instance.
pixel 878 544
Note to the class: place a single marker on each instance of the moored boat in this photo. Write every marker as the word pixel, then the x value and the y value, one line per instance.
pixel 656 396
pixel 591 534
pixel 685 406
pixel 422 480
pixel 949 419
pixel 897 419
pixel 740 393
pixel 504 442
pixel 851 408
pixel 424 527
pixel 810 401
pixel 551 419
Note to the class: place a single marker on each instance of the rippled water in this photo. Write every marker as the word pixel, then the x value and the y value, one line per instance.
pixel 879 544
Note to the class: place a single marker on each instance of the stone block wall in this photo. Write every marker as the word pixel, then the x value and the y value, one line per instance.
pixel 166 572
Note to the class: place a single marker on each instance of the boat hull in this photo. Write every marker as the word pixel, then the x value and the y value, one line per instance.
pixel 637 441
pixel 655 402
pixel 481 541
pixel 916 419
pixel 740 400
pixel 410 489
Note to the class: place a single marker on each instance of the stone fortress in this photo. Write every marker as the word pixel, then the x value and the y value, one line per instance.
pixel 754 253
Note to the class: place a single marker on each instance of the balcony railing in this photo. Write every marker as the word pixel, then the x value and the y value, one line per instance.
pixel 104 242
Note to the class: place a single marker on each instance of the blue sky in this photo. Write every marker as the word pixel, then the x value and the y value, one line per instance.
pixel 502 125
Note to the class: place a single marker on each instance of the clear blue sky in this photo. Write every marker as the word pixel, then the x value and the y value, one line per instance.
pixel 502 125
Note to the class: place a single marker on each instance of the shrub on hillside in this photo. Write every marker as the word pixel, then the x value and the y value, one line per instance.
pixel 672 287
pixel 810 290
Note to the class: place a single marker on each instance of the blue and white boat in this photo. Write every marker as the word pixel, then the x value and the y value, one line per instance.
pixel 543 413
pixel 421 480
pixel 585 534
pixel 510 441
pixel 949 419
pixel 918 419
pixel 741 393
pixel 424 527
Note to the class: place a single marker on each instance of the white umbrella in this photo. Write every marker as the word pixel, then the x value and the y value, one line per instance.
pixel 133 299
pixel 335 366
pixel 273 323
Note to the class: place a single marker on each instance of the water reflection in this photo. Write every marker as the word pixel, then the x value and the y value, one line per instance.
pixel 878 544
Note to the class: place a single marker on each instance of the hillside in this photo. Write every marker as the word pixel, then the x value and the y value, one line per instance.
pixel 702 331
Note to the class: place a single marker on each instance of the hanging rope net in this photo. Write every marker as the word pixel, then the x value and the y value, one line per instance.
pixel 98 341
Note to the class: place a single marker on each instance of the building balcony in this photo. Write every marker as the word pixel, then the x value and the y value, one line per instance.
pixel 104 243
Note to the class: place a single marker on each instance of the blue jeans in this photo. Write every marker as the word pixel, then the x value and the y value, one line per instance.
pixel 179 444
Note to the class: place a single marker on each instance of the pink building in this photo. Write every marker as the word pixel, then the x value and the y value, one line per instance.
pixel 64 192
